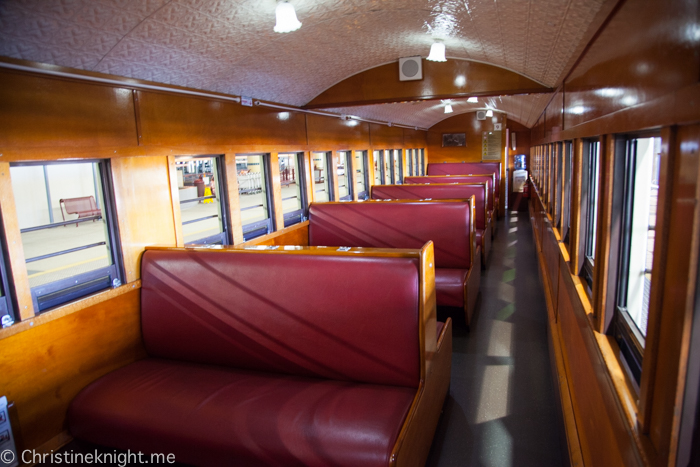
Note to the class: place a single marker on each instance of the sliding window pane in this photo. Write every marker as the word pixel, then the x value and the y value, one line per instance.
pixel 388 167
pixel 566 208
pixel 378 167
pixel 559 183
pixel 361 174
pixel 409 161
pixel 256 204
pixel 293 193
pixel 422 161
pixel 398 166
pixel 323 188
pixel 200 192
pixel 68 229
pixel 344 176
pixel 589 205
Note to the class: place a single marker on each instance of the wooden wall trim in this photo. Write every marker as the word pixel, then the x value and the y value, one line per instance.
pixel 17 267
pixel 234 200
pixel 175 201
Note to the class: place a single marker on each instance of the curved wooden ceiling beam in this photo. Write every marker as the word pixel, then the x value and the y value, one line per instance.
pixel 441 80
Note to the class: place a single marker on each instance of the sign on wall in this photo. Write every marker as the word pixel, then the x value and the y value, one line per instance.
pixel 491 146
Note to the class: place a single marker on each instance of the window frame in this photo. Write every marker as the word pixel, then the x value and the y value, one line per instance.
pixel 301 214
pixel 81 285
pixel 622 327
pixel 590 207
pixel 265 226
pixel 349 180
pixel 364 158
pixel 224 237
pixel 7 307
pixel 568 156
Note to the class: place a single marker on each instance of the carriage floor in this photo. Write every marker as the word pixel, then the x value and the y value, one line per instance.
pixel 501 408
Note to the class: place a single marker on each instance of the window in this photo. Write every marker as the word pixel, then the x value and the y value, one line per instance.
pixel 292 179
pixel 559 181
pixel 566 208
pixel 589 204
pixel 388 167
pixel 69 229
pixel 398 167
pixel 344 176
pixel 639 202
pixel 361 174
pixel 422 161
pixel 255 198
pixel 378 167
pixel 409 161
pixel 200 188
pixel 323 180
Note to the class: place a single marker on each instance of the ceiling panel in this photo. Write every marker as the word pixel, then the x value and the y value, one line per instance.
pixel 229 45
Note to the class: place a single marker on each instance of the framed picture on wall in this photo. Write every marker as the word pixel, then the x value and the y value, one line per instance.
pixel 454 140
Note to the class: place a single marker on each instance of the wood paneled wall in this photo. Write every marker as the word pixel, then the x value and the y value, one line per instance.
pixel 462 123
pixel 45 360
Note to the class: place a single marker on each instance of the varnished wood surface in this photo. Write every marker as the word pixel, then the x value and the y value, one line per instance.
pixel 51 113
pixel 144 207
pixel 678 296
pixel 296 250
pixel 326 133
pixel 293 235
pixel 381 84
pixel 234 200
pixel 175 195
pixel 16 267
pixel 278 214
pixel 45 366
pixel 385 137
pixel 473 129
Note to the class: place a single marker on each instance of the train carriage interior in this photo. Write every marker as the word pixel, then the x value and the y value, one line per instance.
pixel 350 232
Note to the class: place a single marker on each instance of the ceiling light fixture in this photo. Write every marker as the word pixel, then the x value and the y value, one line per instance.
pixel 473 100
pixel 437 52
pixel 448 109
pixel 286 17
pixel 489 113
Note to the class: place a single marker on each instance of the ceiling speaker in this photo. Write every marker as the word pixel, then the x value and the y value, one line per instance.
pixel 410 68
pixel 481 115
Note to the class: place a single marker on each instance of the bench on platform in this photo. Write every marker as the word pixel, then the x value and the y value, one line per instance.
pixel 435 191
pixel 441 179
pixel 84 206
pixel 409 224
pixel 279 356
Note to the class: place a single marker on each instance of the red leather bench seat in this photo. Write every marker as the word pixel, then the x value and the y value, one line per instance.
pixel 458 179
pixel 447 191
pixel 209 415
pixel 273 358
pixel 469 168
pixel 409 224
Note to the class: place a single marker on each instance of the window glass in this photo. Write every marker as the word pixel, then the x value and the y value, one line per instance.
pixel 398 167
pixel 639 208
pixel 256 205
pixel 292 181
pixel 200 191
pixel 378 167
pixel 388 167
pixel 68 230
pixel 344 176
pixel 559 184
pixel 589 202
pixel 360 174
pixel 322 183
pixel 7 316
pixel 566 209
pixel 422 161
pixel 409 161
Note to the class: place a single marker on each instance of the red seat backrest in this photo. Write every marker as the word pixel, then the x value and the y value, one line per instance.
pixel 439 191
pixel 337 317
pixel 467 168
pixel 440 179
pixel 397 224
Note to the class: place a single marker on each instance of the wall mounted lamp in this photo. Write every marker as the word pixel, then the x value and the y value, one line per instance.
pixel 437 52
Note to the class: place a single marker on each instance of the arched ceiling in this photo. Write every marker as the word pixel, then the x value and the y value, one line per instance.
pixel 229 46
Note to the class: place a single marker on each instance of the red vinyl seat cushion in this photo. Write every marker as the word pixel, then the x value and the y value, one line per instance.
pixel 449 286
pixel 209 415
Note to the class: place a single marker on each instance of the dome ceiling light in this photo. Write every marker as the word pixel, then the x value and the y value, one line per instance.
pixel 286 17
pixel 437 52
pixel 473 100
pixel 448 109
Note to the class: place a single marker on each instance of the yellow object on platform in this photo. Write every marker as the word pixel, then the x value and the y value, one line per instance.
pixel 207 192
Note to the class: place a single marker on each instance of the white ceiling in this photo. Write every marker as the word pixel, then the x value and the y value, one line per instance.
pixel 229 46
